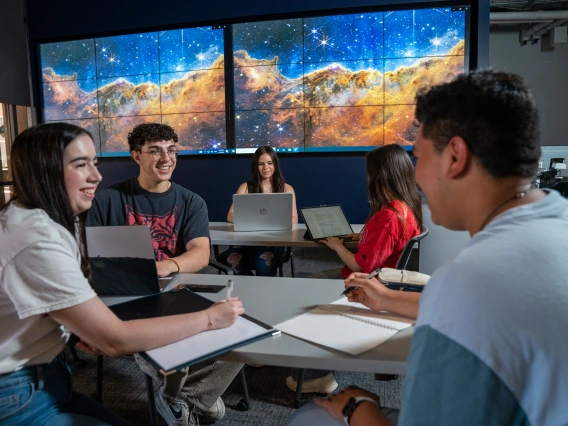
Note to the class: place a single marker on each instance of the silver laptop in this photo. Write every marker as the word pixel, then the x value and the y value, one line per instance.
pixel 263 212
pixel 122 261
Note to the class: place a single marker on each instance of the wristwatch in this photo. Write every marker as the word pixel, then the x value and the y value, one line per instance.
pixel 352 404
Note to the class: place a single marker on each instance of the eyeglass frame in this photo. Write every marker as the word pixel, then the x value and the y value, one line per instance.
pixel 169 152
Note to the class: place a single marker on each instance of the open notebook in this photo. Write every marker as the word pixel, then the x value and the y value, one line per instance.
pixel 345 326
pixel 199 347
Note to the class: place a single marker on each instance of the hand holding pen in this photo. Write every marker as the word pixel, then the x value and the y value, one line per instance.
pixel 225 312
pixel 367 291
pixel 366 277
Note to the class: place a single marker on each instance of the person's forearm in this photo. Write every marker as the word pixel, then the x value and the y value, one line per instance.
pixel 231 215
pixel 142 335
pixel 193 260
pixel 402 302
pixel 348 258
pixel 368 413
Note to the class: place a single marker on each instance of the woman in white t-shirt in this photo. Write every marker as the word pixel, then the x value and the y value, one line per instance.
pixel 44 291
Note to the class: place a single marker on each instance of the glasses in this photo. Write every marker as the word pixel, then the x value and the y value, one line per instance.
pixel 157 154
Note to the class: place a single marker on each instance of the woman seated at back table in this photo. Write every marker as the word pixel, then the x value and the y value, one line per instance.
pixel 267 178
pixel 395 218
pixel 45 293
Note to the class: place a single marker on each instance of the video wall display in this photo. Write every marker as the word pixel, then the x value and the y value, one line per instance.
pixel 111 84
pixel 333 83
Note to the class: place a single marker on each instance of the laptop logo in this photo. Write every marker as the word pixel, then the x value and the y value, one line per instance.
pixel 263 211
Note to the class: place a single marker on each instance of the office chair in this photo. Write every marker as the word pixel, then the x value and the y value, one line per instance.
pixel 411 247
pixel 281 259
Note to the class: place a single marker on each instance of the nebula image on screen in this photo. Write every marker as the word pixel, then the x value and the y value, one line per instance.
pixel 344 82
pixel 173 77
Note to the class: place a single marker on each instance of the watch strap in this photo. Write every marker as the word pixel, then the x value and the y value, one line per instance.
pixel 352 404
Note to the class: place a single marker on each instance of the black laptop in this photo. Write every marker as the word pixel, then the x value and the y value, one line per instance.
pixel 325 221
pixel 122 261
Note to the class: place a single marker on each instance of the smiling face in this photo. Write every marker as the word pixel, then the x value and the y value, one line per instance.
pixel 81 174
pixel 156 166
pixel 265 166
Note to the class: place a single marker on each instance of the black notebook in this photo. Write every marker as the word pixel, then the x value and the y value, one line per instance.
pixel 199 347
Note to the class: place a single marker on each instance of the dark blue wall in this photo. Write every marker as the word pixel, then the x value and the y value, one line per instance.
pixel 327 180
pixel 316 180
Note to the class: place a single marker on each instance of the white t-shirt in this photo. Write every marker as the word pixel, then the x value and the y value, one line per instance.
pixel 40 272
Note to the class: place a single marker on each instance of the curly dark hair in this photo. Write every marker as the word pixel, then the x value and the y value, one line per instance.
pixel 150 132
pixel 494 112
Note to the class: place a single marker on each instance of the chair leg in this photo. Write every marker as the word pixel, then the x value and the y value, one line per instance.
pixel 292 264
pixel 98 395
pixel 299 385
pixel 244 403
pixel 81 362
pixel 151 400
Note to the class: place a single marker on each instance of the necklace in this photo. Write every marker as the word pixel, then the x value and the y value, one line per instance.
pixel 514 197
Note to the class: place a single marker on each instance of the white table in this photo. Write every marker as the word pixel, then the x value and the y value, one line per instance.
pixel 274 300
pixel 222 233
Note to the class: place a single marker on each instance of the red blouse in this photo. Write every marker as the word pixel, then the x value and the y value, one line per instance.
pixel 383 238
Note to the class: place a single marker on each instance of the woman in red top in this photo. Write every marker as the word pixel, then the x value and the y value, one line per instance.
pixel 395 217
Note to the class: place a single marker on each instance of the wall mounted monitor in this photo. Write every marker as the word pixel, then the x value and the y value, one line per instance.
pixel 317 84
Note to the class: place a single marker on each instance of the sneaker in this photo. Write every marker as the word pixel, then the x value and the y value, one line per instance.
pixel 212 414
pixel 325 384
pixel 175 413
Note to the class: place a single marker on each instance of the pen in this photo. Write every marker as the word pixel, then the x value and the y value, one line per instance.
pixel 229 289
pixel 367 277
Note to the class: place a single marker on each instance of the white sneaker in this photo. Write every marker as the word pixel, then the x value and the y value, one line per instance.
pixel 175 413
pixel 212 414
pixel 325 384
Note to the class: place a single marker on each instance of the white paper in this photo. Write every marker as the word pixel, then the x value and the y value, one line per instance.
pixel 346 327
pixel 170 356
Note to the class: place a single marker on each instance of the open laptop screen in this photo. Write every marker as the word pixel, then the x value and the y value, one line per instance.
pixel 122 261
pixel 326 221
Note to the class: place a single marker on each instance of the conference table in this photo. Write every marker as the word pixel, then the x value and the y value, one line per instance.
pixel 273 300
pixel 223 233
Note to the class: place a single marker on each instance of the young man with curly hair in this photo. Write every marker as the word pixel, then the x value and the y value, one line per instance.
pixel 180 235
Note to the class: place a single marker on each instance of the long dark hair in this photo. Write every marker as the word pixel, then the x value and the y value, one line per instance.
pixel 391 174
pixel 39 181
pixel 253 185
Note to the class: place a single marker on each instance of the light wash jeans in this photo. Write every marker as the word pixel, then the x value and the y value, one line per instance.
pixel 43 395
pixel 199 385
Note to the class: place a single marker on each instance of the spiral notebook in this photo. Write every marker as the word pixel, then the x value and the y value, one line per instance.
pixel 345 326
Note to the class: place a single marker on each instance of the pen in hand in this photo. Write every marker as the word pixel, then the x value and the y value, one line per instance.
pixel 367 277
pixel 229 289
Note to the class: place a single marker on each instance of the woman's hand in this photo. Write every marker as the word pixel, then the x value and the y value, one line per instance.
pixel 370 293
pixel 88 349
pixel 333 243
pixel 355 237
pixel 223 314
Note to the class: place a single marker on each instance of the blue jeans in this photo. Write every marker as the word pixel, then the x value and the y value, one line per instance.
pixel 43 395
pixel 264 260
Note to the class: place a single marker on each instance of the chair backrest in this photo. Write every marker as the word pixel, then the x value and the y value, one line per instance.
pixel 405 256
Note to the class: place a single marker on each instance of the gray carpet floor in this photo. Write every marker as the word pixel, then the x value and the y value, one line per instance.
pixel 124 389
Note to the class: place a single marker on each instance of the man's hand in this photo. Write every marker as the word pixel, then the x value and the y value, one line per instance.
pixel 333 243
pixel 165 268
pixel 370 293
pixel 334 403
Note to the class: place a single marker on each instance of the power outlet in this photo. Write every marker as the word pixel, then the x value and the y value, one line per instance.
pixel 540 165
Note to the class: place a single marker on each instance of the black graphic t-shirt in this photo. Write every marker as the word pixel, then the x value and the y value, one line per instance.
pixel 175 217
